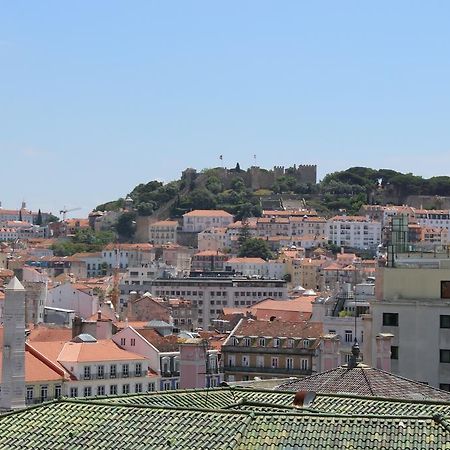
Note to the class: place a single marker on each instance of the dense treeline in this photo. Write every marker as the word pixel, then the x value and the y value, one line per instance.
pixel 343 190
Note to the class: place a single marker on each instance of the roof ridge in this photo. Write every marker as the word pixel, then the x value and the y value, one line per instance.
pixel 300 412
pixel 368 381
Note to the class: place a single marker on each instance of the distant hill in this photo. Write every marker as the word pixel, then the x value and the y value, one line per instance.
pixel 239 192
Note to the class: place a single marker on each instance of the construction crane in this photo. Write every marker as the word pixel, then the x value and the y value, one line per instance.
pixel 64 211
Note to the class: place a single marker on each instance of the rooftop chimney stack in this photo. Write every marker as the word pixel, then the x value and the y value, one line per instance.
pixel 13 369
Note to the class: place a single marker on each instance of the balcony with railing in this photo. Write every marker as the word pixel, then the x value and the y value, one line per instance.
pixel 269 370
pixel 108 375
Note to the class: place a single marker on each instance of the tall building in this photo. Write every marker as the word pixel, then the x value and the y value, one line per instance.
pixel 13 363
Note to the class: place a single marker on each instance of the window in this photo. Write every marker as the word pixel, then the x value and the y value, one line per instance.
pixel 276 342
pixel 247 342
pixel 113 371
pixel 122 341
pixel 30 392
pixel 394 352
pixel 245 360
pixel 138 369
pixel 58 391
pixel 262 342
pixel 87 372
pixel 274 363
pixel 444 356
pixel 74 392
pixel 87 391
pixel 132 342
pixel 445 289
pixel 304 364
pixel 138 388
pixel 445 321
pixel 113 389
pixel 289 363
pixel 151 387
pixel 100 390
pixel 260 360
pixel 305 343
pixel 390 319
pixel 348 336
pixel 125 370
pixel 290 343
pixel 100 372
pixel 166 386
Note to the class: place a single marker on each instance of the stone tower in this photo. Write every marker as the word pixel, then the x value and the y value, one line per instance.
pixel 13 369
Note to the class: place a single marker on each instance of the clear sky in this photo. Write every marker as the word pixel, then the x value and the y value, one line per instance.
pixel 98 96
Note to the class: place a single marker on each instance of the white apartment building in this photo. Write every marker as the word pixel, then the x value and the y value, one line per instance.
pixel 212 294
pixel 98 367
pixel 213 239
pixel 354 231
pixel 200 220
pixel 257 267
pixel 124 255
pixel 413 304
pixel 69 296
pixel 432 218
pixel 163 232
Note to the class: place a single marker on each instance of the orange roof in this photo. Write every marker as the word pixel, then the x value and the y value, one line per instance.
pixel 36 370
pixel 208 213
pixel 165 223
pixel 300 304
pixel 246 260
pixel 210 253
pixel 102 350
pixel 141 246
pixel 42 333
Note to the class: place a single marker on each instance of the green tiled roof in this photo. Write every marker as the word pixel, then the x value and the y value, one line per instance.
pixel 227 419
pixel 267 400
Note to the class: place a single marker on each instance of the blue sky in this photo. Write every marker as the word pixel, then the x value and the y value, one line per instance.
pixel 98 96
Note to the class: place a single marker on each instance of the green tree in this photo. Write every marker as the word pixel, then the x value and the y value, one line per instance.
pixel 126 226
pixel 244 232
pixel 255 248
pixel 39 218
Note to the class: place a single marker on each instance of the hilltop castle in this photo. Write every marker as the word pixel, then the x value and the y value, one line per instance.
pixel 259 178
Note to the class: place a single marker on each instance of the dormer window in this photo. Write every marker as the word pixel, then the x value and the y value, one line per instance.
pixel 290 343
pixel 262 342
pixel 276 342
pixel 247 342
pixel 235 341
pixel 305 343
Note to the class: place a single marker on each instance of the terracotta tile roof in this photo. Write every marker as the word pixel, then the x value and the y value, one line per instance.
pixel 368 381
pixel 210 253
pixel 162 343
pixel 246 261
pixel 43 333
pixel 102 350
pixel 142 247
pixel 164 223
pixel 208 213
pixel 36 370
pixel 278 328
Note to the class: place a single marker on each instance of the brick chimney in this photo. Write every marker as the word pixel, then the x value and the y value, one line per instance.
pixel 193 364
pixel 383 351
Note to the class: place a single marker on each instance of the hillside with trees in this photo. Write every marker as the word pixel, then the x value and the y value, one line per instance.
pixel 338 191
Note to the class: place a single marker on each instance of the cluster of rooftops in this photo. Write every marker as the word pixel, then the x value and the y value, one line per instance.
pixel 361 408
